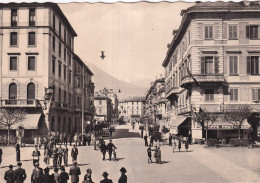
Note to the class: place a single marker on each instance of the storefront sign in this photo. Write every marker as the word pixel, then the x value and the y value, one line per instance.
pixel 227 127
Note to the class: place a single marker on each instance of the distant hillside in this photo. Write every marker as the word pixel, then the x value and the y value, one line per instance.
pixel 105 80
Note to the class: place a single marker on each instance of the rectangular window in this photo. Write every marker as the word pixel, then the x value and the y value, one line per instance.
pixel 209 95
pixel 31 63
pixel 53 65
pixel 69 59
pixel 232 32
pixel 53 43
pixel 65 35
pixel 14 17
pixel 59 69
pixel 252 65
pixel 13 39
pixel 100 110
pixel 31 39
pixel 100 102
pixel 70 74
pixel 78 82
pixel 208 32
pixel 59 49
pixel 252 31
pixel 59 29
pixel 233 94
pixel 65 55
pixel 53 22
pixel 209 65
pixel 31 17
pixel 233 65
pixel 65 72
pixel 256 94
pixel 65 97
pixel 13 63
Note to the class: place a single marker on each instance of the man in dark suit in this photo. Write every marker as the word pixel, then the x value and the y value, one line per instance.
pixel 64 176
pixel 20 174
pixel 74 173
pixel 145 140
pixel 9 175
pixel 36 176
pixel 74 153
pixel 1 153
pixel 36 155
pixel 170 140
pixel 103 149
pixel 106 180
pixel 110 147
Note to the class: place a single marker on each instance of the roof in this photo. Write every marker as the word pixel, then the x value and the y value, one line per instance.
pixel 53 6
pixel 133 99
pixel 77 58
pixel 207 7
pixel 100 96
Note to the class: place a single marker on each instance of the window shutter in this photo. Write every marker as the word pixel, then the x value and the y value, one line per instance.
pixel 231 65
pixel 248 64
pixel 247 32
pixel 254 94
pixel 235 65
pixel 202 65
pixel 236 94
pixel 216 65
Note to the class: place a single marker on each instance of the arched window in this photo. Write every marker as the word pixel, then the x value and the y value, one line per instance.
pixel 30 93
pixel 12 93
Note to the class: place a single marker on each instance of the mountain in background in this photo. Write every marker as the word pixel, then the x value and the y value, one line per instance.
pixel 104 80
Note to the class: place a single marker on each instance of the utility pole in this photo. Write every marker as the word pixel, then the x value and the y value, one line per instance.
pixel 83 101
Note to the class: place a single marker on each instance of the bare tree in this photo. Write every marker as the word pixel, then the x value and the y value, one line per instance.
pixel 10 117
pixel 205 119
pixel 236 114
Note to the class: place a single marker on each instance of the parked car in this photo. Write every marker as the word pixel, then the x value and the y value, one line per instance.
pixel 105 132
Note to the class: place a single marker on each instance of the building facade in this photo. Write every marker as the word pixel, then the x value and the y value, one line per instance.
pixel 131 109
pixel 212 63
pixel 37 66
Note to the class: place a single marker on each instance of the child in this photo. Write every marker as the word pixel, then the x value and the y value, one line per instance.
pixel 114 154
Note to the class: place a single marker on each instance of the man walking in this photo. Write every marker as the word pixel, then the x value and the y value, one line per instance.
pixel 110 147
pixel 145 140
pixel 149 153
pixel 65 155
pixel 64 176
pixel 55 156
pixel 9 175
pixel 151 140
pixel 36 174
pixel 170 139
pixel 20 174
pixel 60 155
pixel 74 153
pixel 74 173
pixel 103 149
pixel 36 155
pixel 18 154
pixel 65 141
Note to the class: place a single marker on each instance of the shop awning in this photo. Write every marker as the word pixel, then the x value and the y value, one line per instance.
pixel 30 122
pixel 224 125
pixel 175 122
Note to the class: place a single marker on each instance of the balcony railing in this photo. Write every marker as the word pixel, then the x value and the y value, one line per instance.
pixel 182 110
pixel 20 103
pixel 202 78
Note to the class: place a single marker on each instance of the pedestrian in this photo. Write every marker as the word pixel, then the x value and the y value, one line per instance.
pixel 87 177
pixel 179 145
pixel 156 154
pixel 151 140
pixel 60 155
pixel 142 133
pixel 20 174
pixel 103 149
pixel 1 154
pixel 174 145
pixel 123 177
pixel 35 140
pixel 70 139
pixel 55 156
pixel 65 139
pixel 159 155
pixel 106 180
pixel 56 175
pixel 36 155
pixel 187 145
pixel 74 153
pixel 45 142
pixel 149 153
pixel 36 176
pixel 47 178
pixel 114 154
pixel 9 175
pixel 110 131
pixel 74 173
pixel 145 140
pixel 170 139
pixel 76 139
pixel 61 138
pixel 89 139
pixel 64 176
pixel 65 155
pixel 110 147
pixel 39 141
pixel 18 155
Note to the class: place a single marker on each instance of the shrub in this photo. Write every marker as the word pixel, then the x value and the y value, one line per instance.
pixel 212 142
pixel 235 142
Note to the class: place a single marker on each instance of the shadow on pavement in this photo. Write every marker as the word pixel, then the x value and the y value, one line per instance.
pixel 123 133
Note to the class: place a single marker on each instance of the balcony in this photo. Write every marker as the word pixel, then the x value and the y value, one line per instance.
pixel 183 110
pixel 20 103
pixel 61 105
pixel 187 81
pixel 172 91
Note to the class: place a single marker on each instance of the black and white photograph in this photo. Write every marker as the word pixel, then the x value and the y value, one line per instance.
pixel 129 91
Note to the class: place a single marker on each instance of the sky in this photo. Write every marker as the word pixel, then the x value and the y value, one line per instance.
pixel 134 36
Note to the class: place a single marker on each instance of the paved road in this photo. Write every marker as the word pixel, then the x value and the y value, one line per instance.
pixel 207 165
pixel 121 132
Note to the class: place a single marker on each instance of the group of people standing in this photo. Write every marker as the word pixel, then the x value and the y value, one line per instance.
pixel 173 141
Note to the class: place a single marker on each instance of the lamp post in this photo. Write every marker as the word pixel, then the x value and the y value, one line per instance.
pixel 83 101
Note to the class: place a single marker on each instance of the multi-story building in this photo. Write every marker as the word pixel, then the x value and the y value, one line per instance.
pixel 104 107
pixel 131 109
pixel 114 99
pixel 156 104
pixel 213 63
pixel 37 66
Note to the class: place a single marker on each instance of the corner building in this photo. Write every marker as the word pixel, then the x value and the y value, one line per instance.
pixel 37 53
pixel 212 63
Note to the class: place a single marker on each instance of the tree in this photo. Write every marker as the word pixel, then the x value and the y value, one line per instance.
pixel 236 114
pixel 10 117
pixel 205 119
